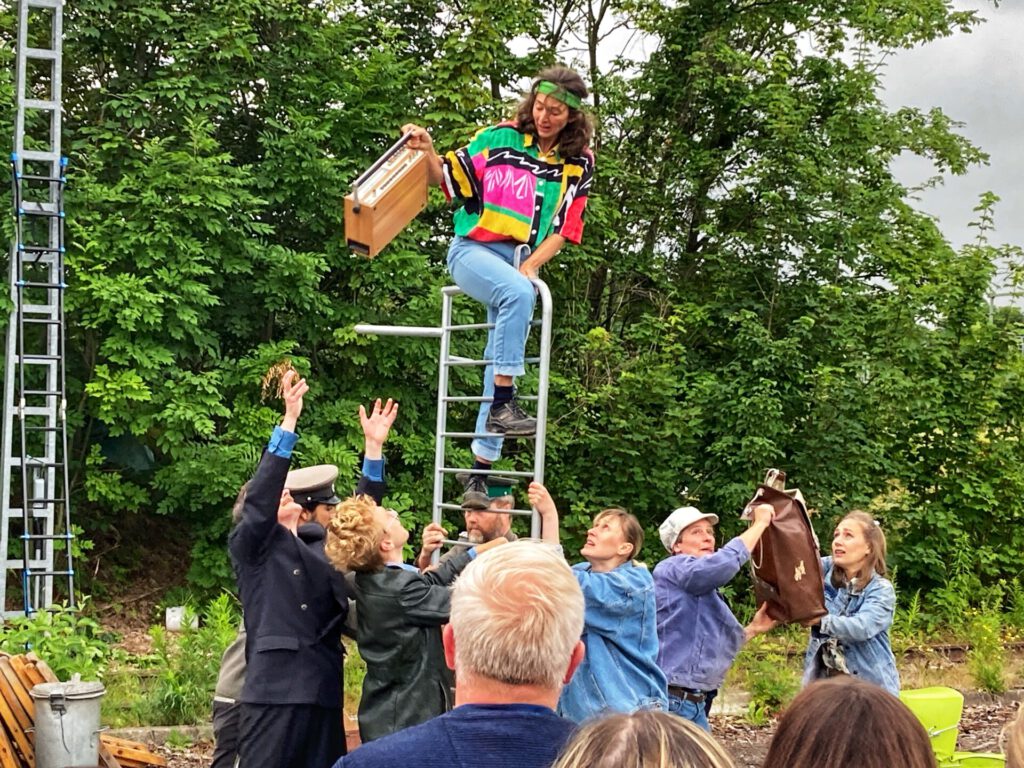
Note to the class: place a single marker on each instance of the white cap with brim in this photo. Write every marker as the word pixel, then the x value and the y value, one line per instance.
pixel 679 521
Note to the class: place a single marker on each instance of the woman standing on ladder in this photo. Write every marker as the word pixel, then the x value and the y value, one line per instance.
pixel 521 187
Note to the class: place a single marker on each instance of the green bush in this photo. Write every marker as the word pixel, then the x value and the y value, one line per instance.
pixel 773 684
pixel 186 665
pixel 67 639
pixel 986 659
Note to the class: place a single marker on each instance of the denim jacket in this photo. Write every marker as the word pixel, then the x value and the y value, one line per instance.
pixel 620 671
pixel 699 635
pixel 860 621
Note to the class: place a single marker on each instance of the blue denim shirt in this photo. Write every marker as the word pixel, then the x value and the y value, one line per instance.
pixel 699 635
pixel 861 622
pixel 620 671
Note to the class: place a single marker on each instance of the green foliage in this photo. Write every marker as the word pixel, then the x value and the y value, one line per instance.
pixel 67 639
pixel 772 681
pixel 908 626
pixel 186 665
pixel 178 740
pixel 986 658
pixel 355 671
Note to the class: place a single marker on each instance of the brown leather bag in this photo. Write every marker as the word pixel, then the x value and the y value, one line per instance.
pixel 786 561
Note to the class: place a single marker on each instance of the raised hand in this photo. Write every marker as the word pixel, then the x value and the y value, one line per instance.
pixel 540 499
pixel 377 426
pixel 292 389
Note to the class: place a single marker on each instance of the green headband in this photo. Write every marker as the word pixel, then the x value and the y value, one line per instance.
pixel 558 92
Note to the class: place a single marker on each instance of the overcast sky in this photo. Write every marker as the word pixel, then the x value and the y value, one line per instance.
pixel 977 79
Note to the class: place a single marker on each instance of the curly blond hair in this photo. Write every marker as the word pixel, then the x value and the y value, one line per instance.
pixel 354 536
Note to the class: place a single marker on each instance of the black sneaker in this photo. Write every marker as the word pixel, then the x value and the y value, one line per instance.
pixel 511 420
pixel 475 491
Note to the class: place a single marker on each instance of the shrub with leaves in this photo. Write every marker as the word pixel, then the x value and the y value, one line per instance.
pixel 67 639
pixel 187 663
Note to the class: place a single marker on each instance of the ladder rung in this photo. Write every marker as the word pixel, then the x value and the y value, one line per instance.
pixel 36 502
pixel 482 326
pixel 475 435
pixel 492 471
pixel 17 462
pixel 459 507
pixel 39 358
pixel 48 286
pixel 47 536
pixel 29 428
pixel 30 574
pixel 45 321
pixel 48 179
pixel 48 392
pixel 466 361
pixel 36 410
pixel 39 249
pixel 45 157
pixel 41 53
pixel 45 104
pixel 40 211
pixel 43 3
pixel 482 399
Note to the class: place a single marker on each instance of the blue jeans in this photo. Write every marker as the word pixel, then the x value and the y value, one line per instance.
pixel 485 272
pixel 689 710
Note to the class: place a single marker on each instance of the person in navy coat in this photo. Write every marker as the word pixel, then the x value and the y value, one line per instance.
pixel 294 603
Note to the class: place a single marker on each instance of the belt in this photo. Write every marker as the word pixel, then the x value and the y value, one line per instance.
pixel 687 694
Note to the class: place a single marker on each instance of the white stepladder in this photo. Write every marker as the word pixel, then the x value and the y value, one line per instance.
pixel 446 362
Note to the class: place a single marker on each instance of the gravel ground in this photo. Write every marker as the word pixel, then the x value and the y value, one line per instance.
pixel 980 731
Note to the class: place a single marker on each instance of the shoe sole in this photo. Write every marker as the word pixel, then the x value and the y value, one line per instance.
pixel 511 432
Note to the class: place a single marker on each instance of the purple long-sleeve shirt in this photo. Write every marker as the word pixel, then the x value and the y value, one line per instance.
pixel 698 635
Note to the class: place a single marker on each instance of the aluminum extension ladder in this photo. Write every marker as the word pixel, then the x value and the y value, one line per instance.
pixel 35 526
pixel 447 361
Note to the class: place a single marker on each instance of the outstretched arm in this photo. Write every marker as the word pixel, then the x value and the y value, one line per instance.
pixel 540 499
pixel 263 507
pixel 376 428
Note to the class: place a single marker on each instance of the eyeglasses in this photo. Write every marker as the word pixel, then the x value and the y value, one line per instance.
pixel 392 516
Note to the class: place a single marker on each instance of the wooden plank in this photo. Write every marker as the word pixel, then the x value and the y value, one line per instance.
pixel 131 753
pixel 7 670
pixel 26 668
pixel 18 735
pixel 26 719
pixel 107 760
pixel 43 668
pixel 7 757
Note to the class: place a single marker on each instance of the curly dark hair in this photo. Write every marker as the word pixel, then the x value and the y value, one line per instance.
pixel 576 135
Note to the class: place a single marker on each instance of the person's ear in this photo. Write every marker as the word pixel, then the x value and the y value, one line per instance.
pixel 575 660
pixel 448 641
pixel 625 549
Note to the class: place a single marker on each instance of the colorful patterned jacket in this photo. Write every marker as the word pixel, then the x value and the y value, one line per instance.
pixel 508 190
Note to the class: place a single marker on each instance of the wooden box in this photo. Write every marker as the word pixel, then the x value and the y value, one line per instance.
pixel 385 199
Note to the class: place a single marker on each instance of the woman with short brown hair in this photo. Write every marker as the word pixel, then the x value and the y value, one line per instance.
pixel 845 721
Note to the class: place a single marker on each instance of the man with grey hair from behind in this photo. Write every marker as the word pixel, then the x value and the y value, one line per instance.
pixel 513 641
